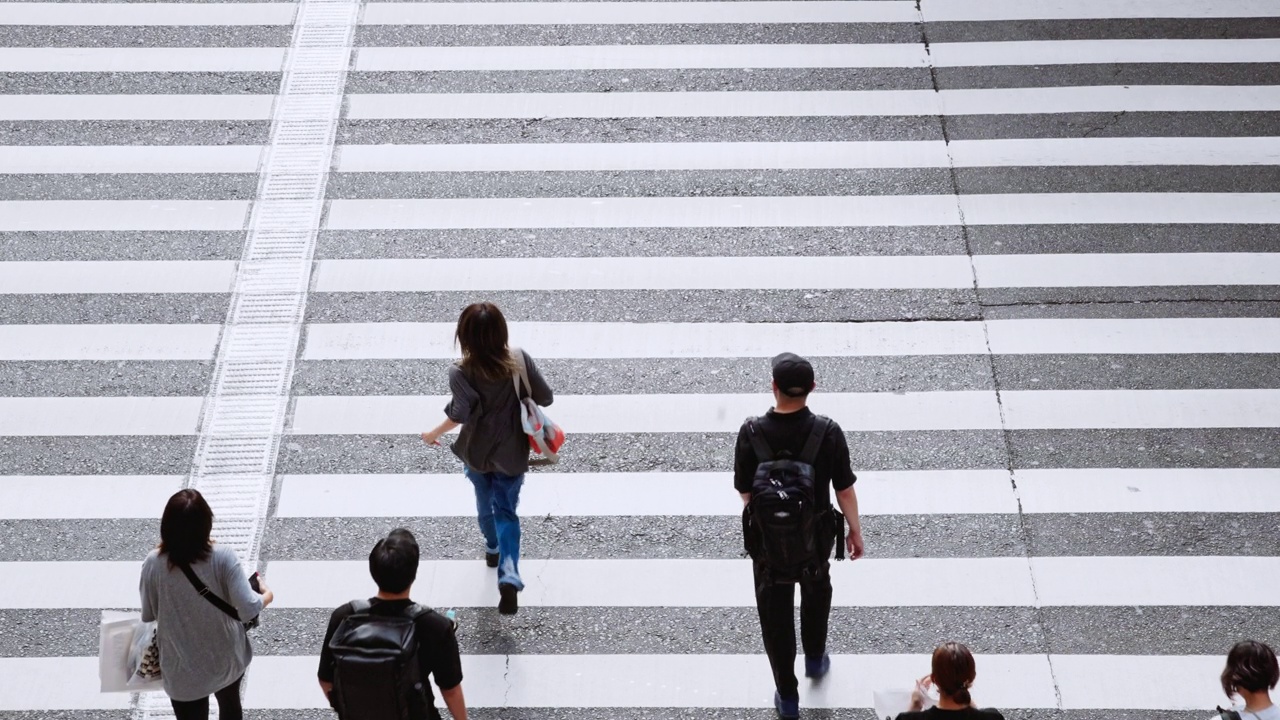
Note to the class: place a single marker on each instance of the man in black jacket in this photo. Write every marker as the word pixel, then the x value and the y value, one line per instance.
pixel 785 429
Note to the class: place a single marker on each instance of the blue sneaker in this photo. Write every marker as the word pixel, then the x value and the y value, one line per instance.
pixel 816 668
pixel 788 708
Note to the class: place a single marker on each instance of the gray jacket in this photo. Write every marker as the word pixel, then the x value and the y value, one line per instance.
pixel 491 439
pixel 202 650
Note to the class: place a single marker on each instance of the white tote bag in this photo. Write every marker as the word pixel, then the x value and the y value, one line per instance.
pixel 889 703
pixel 118 635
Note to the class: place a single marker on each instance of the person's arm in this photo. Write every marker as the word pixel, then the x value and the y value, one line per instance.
pixel 455 702
pixel 325 673
pixel 744 465
pixel 147 591
pixel 848 501
pixel 541 394
pixel 458 411
pixel 248 604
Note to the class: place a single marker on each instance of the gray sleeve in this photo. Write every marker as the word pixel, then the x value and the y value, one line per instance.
pixel 464 397
pixel 236 584
pixel 147 588
pixel 541 390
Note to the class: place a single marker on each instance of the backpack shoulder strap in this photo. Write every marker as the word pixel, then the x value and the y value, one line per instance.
pixel 809 454
pixel 761 447
pixel 207 594
pixel 415 611
pixel 522 373
pixel 360 606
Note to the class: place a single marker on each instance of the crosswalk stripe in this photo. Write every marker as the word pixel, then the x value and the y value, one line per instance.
pixel 799 211
pixel 968 54
pixel 1051 681
pixel 993 10
pixel 723 413
pixel 816 103
pixel 1045 152
pixel 904 492
pixel 137 107
pixel 69 497
pixel 400 340
pixel 711 413
pixel 143 59
pixel 140 14
pixel 117 276
pixel 660 13
pixel 864 272
pixel 106 342
pixel 1192 581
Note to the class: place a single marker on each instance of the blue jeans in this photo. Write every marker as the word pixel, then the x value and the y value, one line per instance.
pixel 496 498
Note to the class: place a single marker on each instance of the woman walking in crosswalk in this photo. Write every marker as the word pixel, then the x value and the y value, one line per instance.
pixel 492 444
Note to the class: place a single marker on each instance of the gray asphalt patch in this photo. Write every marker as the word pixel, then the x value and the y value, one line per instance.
pixel 1154 534
pixel 699 34
pixel 140 83
pixel 88 378
pixel 62 540
pixel 1144 448
pixel 1015 239
pixel 1114 125
pixel 1127 179
pixel 640 242
pixel 130 186
pixel 1103 29
pixel 1132 309
pixel 93 245
pixel 1104 74
pixel 650 305
pixel 110 308
pixel 115 455
pixel 134 132
pixel 1137 372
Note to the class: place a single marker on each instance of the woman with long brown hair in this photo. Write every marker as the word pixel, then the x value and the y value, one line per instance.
pixel 203 649
pixel 953 673
pixel 492 445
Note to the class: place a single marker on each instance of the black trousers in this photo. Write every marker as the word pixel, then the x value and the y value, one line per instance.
pixel 776 605
pixel 228 705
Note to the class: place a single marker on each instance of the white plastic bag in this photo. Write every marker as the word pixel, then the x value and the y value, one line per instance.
pixel 888 703
pixel 144 658
pixel 116 636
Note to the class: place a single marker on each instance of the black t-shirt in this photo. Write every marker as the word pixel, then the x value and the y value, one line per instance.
pixel 437 644
pixel 787 433
pixel 970 713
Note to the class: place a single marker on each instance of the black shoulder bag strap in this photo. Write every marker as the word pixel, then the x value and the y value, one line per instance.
pixel 763 452
pixel 207 594
pixel 809 454
pixel 1228 714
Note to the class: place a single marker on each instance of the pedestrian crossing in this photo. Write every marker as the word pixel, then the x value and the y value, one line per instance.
pixel 1029 246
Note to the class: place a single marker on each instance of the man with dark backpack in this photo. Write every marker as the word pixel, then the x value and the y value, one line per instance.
pixel 378 653
pixel 786 463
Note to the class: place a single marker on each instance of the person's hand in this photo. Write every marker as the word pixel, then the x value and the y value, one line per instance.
pixel 431 438
pixel 918 695
pixel 853 543
pixel 262 584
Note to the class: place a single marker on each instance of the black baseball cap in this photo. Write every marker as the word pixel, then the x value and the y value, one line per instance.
pixel 793 375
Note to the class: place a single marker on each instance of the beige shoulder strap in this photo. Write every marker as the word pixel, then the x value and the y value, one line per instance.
pixel 522 374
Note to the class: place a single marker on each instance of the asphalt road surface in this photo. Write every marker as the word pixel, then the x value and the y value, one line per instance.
pixel 1030 247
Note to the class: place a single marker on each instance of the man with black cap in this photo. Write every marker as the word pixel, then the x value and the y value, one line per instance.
pixel 786 463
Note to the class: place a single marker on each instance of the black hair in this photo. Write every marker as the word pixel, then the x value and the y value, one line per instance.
pixel 393 562
pixel 1251 666
pixel 185 528
pixel 482 335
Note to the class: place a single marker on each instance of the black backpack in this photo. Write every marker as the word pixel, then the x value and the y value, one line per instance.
pixel 376 675
pixel 782 512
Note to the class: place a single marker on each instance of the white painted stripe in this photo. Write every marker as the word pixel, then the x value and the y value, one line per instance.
pixel 646 13
pixel 821 211
pixel 855 103
pixel 870 582
pixel 111 59
pixel 130 158
pixel 642 273
pixel 798 272
pixel 644 212
pixel 343 341
pixel 151 13
pixel 72 497
pixel 658 57
pixel 107 342
pixel 1149 490
pixel 116 276
pixel 137 215
pixel 723 413
pixel 1086 409
pixel 98 416
pixel 393 340
pixel 986 10
pixel 1086 52
pixel 905 55
pixel 668 493
pixel 1123 270
pixel 1139 682
pixel 396 414
pixel 136 107
pixel 805 155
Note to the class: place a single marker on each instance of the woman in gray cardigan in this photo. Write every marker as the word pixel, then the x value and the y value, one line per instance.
pixel 492 445
pixel 203 650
